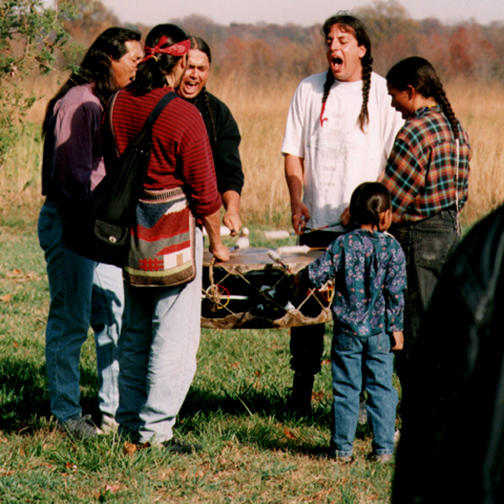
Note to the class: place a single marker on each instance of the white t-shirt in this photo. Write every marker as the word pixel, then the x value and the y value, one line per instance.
pixel 338 156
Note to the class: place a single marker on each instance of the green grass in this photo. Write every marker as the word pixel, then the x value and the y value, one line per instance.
pixel 253 450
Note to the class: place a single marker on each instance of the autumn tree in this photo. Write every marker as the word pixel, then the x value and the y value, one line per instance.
pixel 31 34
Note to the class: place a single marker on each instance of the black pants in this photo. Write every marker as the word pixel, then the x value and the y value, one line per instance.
pixel 307 342
pixel 427 245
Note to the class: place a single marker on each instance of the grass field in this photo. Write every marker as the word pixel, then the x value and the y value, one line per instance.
pixel 253 451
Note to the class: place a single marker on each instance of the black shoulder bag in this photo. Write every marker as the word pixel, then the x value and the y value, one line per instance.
pixel 105 237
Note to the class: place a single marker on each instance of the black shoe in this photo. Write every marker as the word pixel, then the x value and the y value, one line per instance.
pixel 299 402
pixel 177 446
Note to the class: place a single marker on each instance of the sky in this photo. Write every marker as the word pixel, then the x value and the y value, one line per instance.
pixel 302 12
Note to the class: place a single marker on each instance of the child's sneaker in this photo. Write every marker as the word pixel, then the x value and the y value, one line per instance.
pixel 382 458
pixel 81 427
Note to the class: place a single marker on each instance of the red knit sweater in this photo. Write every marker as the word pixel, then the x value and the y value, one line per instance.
pixel 181 154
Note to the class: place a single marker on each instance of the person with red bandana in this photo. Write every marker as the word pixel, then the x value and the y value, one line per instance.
pixel 161 325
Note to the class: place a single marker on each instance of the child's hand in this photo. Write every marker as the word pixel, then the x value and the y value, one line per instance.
pixel 397 340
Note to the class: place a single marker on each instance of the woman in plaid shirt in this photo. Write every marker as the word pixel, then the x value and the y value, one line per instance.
pixel 427 174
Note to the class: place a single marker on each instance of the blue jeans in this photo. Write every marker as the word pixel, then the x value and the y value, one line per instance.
pixel 83 293
pixel 362 363
pixel 158 346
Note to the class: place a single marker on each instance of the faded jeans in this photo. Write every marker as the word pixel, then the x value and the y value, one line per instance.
pixel 365 363
pixel 158 347
pixel 83 293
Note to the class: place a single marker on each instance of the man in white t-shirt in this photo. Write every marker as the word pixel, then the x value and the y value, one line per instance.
pixel 339 132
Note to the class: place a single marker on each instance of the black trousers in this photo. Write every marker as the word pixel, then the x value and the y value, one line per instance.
pixel 307 342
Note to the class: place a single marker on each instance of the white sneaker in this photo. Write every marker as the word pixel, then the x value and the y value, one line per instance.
pixel 108 425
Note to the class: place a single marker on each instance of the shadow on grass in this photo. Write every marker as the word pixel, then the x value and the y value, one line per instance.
pixel 202 404
pixel 24 397
pixel 261 403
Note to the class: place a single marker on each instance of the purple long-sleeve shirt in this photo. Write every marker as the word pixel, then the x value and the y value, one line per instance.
pixel 76 157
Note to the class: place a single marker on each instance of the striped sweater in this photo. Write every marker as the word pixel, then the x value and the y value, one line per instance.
pixel 181 154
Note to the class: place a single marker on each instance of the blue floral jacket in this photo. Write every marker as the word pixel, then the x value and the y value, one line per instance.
pixel 369 272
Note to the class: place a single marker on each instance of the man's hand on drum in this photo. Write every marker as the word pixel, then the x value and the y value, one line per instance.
pixel 345 217
pixel 300 216
pixel 220 252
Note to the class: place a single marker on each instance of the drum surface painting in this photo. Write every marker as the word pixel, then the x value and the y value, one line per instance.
pixel 255 289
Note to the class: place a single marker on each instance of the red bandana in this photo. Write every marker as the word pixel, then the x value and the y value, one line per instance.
pixel 178 49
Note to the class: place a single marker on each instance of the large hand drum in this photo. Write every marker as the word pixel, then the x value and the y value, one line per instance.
pixel 253 290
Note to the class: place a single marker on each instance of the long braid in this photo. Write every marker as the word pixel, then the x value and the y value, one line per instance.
pixel 210 114
pixel 367 68
pixel 442 99
pixel 327 89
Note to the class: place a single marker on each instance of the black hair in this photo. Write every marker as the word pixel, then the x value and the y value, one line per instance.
pixel 368 201
pixel 152 71
pixel 199 44
pixel 96 67
pixel 359 31
pixel 420 74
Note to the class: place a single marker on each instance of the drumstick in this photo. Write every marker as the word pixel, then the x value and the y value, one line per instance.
pixel 276 258
pixel 327 226
pixel 297 249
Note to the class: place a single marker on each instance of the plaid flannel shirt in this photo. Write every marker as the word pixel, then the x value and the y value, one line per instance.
pixel 421 169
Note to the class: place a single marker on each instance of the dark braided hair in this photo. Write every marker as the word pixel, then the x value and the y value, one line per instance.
pixel 152 71
pixel 96 68
pixel 359 31
pixel 420 74
pixel 368 201
pixel 199 44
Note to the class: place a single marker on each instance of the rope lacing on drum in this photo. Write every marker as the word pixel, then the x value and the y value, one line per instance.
pixel 217 292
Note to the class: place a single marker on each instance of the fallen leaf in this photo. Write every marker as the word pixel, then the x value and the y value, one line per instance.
pixel 71 466
pixel 289 434
pixel 112 488
pixel 129 448
pixel 6 298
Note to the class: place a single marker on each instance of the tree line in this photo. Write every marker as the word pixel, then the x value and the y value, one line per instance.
pixel 37 38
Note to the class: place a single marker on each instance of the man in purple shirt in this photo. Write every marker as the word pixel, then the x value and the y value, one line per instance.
pixel 83 292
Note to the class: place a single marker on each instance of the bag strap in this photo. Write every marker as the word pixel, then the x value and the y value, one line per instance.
pixel 161 104
pixel 156 111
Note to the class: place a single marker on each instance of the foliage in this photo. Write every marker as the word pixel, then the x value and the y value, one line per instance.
pixel 30 37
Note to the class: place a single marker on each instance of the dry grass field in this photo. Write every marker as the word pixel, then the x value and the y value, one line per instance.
pixel 261 113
